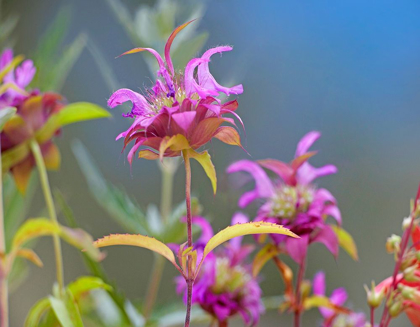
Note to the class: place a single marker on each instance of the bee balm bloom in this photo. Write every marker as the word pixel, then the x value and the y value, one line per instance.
pixel 181 111
pixel 293 200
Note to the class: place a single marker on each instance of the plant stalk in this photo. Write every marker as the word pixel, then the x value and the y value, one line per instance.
pixel 36 151
pixel 190 278
pixel 298 295
pixel 4 297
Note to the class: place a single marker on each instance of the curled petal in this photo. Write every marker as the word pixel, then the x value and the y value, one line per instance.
pixel 191 85
pixel 25 73
pixel 263 186
pixel 207 81
pixel 307 173
pixel 140 104
pixel 333 211
pixel 169 43
pixel 306 142
pixel 328 237
pixel 319 283
pixel 297 248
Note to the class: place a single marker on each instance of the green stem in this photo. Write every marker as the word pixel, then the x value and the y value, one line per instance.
pixel 36 151
pixel 4 298
pixel 190 277
pixel 154 283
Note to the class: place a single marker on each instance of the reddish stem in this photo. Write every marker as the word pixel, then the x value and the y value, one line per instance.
pixel 190 277
pixel 298 295
pixel 372 316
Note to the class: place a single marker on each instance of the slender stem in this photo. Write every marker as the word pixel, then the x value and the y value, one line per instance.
pixel 152 291
pixel 298 295
pixel 372 316
pixel 36 151
pixel 223 323
pixel 4 298
pixel 189 279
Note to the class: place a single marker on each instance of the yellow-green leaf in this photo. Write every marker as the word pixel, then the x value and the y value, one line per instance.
pixel 251 228
pixel 177 142
pixel 268 252
pixel 140 241
pixel 14 155
pixel 346 242
pixel 85 284
pixel 16 61
pixel 37 312
pixel 30 255
pixel 33 228
pixel 66 310
pixel 72 113
pixel 81 240
pixel 204 160
pixel 317 301
pixel 5 115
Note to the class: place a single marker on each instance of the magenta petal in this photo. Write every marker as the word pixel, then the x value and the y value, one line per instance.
pixel 323 195
pixel 6 58
pixel 206 230
pixel 307 173
pixel 333 211
pixel 319 284
pixel 184 119
pixel 191 85
pixel 140 104
pixel 327 237
pixel 25 73
pixel 338 297
pixel 306 142
pixel 247 198
pixel 207 81
pixel 297 248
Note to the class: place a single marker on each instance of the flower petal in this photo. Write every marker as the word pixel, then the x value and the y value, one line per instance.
pixel 207 81
pixel 307 173
pixel 140 105
pixel 184 119
pixel 327 237
pixel 297 248
pixel 306 142
pixel 319 283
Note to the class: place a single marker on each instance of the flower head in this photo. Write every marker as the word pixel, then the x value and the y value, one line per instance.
pixel 181 111
pixel 293 200
pixel 225 285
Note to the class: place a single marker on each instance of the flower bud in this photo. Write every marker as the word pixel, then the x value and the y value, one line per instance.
pixel 393 243
pixel 406 223
pixel 407 292
pixel 410 274
pixel 374 298
pixel 396 308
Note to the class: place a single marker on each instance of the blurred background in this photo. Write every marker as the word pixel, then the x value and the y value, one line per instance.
pixel 349 69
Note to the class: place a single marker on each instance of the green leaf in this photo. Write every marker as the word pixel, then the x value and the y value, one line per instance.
pixel 85 284
pixel 115 201
pixel 142 241
pixel 66 310
pixel 204 160
pixel 346 241
pixel 5 115
pixel 37 312
pixel 250 228
pixel 14 155
pixel 72 113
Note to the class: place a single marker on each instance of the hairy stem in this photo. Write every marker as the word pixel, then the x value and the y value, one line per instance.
pixel 36 151
pixel 298 295
pixel 189 279
pixel 4 298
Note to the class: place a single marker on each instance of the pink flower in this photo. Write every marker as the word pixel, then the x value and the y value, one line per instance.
pixel 225 285
pixel 181 111
pixel 293 200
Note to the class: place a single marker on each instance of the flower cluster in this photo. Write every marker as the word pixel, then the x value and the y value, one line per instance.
pixel 225 286
pixel 33 111
pixel 293 200
pixel 181 111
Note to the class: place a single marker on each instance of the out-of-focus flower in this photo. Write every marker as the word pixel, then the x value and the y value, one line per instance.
pixel 15 81
pixel 293 200
pixel 181 111
pixel 225 285
pixel 338 297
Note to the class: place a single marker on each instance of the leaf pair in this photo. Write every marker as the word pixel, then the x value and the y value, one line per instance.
pixel 221 237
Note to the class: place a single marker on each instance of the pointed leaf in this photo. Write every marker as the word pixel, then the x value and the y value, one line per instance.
pixel 37 312
pixel 30 255
pixel 228 135
pixel 81 240
pixel 85 284
pixel 244 229
pixel 204 159
pixel 66 310
pixel 268 252
pixel 317 301
pixel 16 61
pixel 72 113
pixel 140 241
pixel 346 241
pixel 5 115
pixel 33 228
pixel 14 155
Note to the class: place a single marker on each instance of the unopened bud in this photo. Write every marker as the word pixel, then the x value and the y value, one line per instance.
pixel 393 243
pixel 374 298
pixel 410 274
pixel 406 223
pixel 395 309
pixel 407 292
